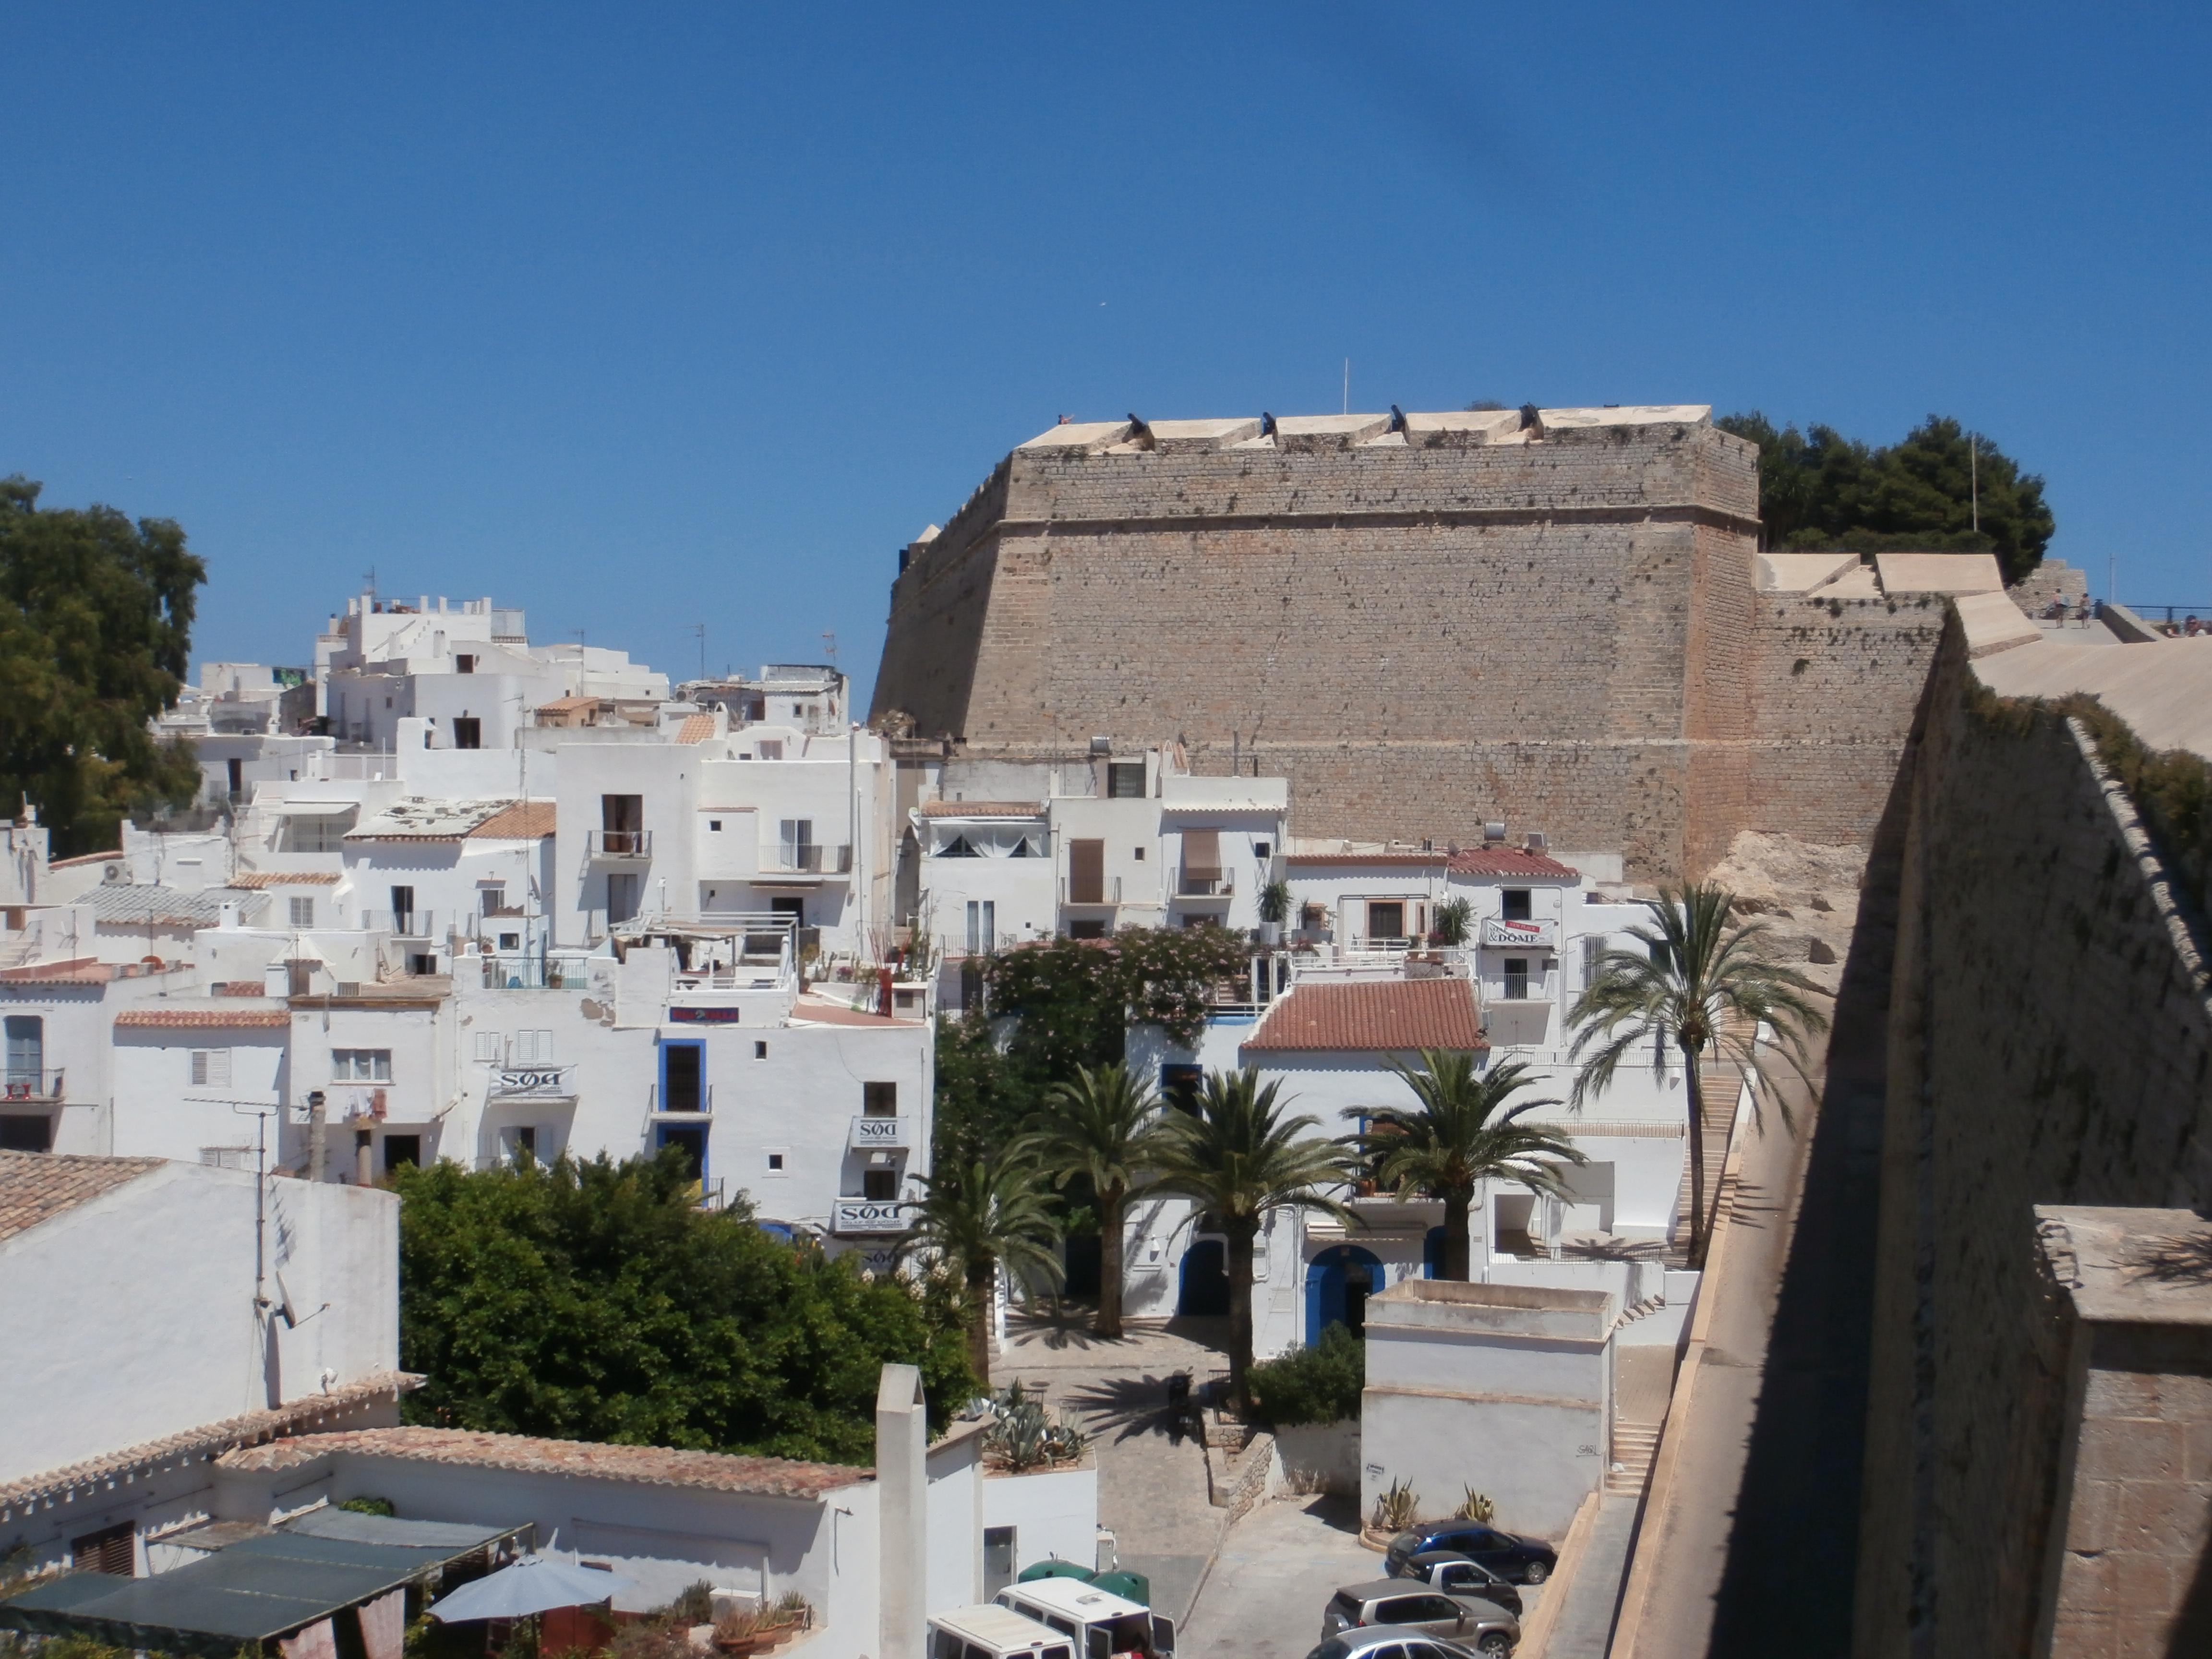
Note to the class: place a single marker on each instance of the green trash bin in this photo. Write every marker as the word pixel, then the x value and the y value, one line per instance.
pixel 1056 1568
pixel 1130 1586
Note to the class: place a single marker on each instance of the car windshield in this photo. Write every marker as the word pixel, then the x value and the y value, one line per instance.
pixel 1335 1647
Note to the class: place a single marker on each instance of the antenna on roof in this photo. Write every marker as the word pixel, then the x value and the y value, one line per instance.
pixel 699 628
pixel 1347 385
pixel 829 645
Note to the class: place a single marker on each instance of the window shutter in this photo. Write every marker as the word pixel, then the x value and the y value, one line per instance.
pixel 1086 872
pixel 488 1047
pixel 1201 855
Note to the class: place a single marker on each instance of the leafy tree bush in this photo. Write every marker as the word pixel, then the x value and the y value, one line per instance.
pixel 95 629
pixel 1818 488
pixel 1319 1384
pixel 593 1301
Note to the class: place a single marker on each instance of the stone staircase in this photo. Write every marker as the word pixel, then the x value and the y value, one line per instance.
pixel 1723 1083
pixel 1634 1446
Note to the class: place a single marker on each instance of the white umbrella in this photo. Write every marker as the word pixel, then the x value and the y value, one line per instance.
pixel 536 1583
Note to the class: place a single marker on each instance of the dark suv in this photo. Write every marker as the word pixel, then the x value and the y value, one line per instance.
pixel 1519 1561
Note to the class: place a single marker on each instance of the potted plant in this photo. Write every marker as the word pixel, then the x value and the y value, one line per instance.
pixel 763 1627
pixel 1455 921
pixel 1274 910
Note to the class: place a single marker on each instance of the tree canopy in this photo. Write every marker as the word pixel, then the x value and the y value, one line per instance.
pixel 95 630
pixel 594 1302
pixel 1818 488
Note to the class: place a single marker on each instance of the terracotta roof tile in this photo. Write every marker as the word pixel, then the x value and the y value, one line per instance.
pixel 1510 861
pixel 76 970
pixel 982 809
pixel 254 880
pixel 527 820
pixel 198 1442
pixel 660 1466
pixel 35 1186
pixel 564 705
pixel 1383 1016
pixel 697 728
pixel 84 859
pixel 203 1019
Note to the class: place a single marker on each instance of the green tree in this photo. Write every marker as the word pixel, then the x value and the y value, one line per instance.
pixel 988 1214
pixel 95 631
pixel 1239 1156
pixel 1462 1134
pixel 1700 984
pixel 1319 1384
pixel 1102 1127
pixel 1940 489
pixel 594 1302
pixel 1073 1000
pixel 983 1098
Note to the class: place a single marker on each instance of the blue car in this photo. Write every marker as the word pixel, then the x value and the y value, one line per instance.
pixel 1517 1560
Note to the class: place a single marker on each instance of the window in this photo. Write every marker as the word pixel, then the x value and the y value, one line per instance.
pixel 982 925
pixel 420 962
pixel 464 663
pixel 112 1549
pixel 401 1152
pixel 1092 929
pixel 958 848
pixel 1086 872
pixel 1592 955
pixel 1516 978
pixel 1386 918
pixel 1179 1086
pixel 622 825
pixel 510 941
pixel 361 1065
pixel 1138 854
pixel 623 888
pixel 683 1076
pixel 27 1052
pixel 998 1559
pixel 533 1048
pixel 1518 904
pixel 879 1100
pixel 879 1186
pixel 468 731
pixel 1263 850
pixel 760 1051
pixel 210 1068
pixel 519 1143
pixel 715 825
pixel 24 1132
pixel 795 839
pixel 488 1047
pixel 491 898
pixel 1125 779
pixel 316 832
pixel 303 912
pixel 403 909
pixel 775 1162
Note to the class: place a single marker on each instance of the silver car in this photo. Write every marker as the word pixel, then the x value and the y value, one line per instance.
pixel 1410 1609
pixel 1386 1642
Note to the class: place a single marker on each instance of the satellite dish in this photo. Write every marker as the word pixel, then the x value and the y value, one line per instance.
pixel 285 1309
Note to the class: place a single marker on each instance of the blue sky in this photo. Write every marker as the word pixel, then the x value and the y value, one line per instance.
pixel 641 316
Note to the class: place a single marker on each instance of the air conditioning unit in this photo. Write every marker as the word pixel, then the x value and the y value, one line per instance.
pixel 1537 842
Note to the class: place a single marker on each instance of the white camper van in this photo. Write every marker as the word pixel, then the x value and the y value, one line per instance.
pixel 1103 1626
pixel 992 1632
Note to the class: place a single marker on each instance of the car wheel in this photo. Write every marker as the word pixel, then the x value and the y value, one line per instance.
pixel 1537 1573
pixel 1496 1642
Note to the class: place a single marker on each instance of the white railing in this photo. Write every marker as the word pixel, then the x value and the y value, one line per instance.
pixel 618 844
pixel 810 861
pixel 327 766
pixel 400 924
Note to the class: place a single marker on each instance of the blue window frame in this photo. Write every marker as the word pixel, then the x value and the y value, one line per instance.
pixel 683 1076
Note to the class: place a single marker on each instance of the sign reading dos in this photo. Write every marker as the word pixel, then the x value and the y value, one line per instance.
pixel 531 1080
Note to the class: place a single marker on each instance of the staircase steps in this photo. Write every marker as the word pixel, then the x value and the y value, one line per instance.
pixel 1723 1084
pixel 1634 1446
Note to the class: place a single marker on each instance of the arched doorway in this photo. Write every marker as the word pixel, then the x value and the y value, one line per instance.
pixel 1204 1291
pixel 1337 1284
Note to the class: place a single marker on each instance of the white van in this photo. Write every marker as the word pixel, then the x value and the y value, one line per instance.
pixel 992 1632
pixel 1104 1625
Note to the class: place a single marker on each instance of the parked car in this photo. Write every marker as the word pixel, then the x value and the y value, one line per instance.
pixel 1415 1609
pixel 1523 1560
pixel 1389 1642
pixel 1454 1573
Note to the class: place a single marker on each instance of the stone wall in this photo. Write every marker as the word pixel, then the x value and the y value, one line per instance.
pixel 1560 633
pixel 2051 1039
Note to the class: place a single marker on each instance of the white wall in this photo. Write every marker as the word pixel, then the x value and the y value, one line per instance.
pixel 131 1316
pixel 1053 1513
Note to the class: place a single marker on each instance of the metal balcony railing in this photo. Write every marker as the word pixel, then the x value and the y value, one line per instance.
pixel 621 843
pixel 400 924
pixel 1198 882
pixel 25 1084
pixel 811 860
pixel 1106 891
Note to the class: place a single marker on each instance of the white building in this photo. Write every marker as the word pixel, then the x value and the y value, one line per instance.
pixel 251 1312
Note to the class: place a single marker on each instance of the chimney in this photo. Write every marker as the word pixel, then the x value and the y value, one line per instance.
pixel 228 914
pixel 902 1512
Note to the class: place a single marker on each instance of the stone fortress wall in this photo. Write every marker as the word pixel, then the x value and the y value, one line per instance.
pixel 1426 621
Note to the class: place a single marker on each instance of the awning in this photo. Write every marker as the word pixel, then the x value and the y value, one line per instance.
pixel 251 1591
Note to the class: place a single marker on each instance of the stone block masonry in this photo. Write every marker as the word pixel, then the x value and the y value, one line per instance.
pixel 1423 624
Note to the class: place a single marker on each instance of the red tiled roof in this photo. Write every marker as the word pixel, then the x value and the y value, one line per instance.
pixel 982 809
pixel 196 1443
pixel 254 880
pixel 697 728
pixel 1389 1015
pixel 527 820
pixel 199 1019
pixel 563 705
pixel 84 857
pixel 1326 861
pixel 76 970
pixel 35 1186
pixel 1510 861
pixel 658 1466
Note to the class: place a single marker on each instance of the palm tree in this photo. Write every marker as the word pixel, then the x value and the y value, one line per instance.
pixel 1458 1137
pixel 1104 1125
pixel 1239 1158
pixel 1699 983
pixel 983 1214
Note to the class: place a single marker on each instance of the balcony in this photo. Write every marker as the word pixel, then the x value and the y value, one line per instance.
pixel 401 924
pixel 1498 935
pixel 1106 891
pixel 1198 881
pixel 869 1218
pixel 27 1083
pixel 530 1082
pixel 620 845
pixel 809 859
pixel 875 1135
